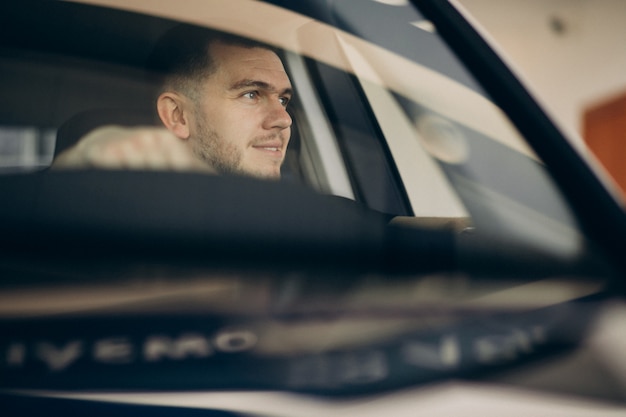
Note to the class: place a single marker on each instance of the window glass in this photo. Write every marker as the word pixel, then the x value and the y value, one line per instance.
pixel 457 153
pixel 384 117
pixel 399 126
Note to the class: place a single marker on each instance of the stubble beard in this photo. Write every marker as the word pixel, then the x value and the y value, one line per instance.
pixel 214 150
pixel 210 147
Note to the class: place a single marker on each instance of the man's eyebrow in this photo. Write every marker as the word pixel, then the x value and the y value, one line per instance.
pixel 243 84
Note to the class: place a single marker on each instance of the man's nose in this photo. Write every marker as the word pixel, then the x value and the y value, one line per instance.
pixel 277 117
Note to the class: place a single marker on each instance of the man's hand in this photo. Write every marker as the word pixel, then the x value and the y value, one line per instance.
pixel 144 148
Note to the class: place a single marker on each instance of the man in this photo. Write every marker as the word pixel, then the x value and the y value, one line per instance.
pixel 223 104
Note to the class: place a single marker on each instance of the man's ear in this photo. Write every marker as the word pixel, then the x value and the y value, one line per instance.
pixel 174 112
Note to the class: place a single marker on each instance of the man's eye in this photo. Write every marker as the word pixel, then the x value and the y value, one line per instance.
pixel 251 95
pixel 284 101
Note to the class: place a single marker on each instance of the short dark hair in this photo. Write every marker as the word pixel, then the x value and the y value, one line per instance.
pixel 182 55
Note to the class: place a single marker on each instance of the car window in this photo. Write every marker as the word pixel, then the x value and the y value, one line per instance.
pixel 409 209
pixel 403 129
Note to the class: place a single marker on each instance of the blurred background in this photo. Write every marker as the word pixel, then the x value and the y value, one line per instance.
pixel 572 53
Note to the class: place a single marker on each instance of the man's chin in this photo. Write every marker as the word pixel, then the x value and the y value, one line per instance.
pixel 264 173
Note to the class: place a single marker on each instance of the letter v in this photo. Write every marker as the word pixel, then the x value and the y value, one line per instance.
pixel 59 359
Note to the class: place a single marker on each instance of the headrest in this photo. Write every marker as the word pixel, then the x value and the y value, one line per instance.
pixel 82 123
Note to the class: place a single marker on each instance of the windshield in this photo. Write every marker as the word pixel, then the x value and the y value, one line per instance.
pixel 425 142
pixel 408 218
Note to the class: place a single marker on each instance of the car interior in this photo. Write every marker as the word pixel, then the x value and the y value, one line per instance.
pixel 400 228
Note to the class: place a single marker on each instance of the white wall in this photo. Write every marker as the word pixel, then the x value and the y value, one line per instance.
pixel 568 70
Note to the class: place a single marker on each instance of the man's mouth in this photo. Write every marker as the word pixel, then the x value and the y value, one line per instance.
pixel 272 147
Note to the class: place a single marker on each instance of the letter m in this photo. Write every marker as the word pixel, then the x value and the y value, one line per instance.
pixel 187 345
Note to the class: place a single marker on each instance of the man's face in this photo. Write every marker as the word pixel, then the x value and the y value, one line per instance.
pixel 240 123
